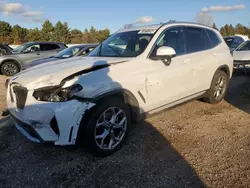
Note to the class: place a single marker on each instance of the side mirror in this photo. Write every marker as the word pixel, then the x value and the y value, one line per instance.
pixel 165 54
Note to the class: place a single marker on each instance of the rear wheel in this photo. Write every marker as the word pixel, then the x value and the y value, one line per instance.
pixel 106 127
pixel 9 68
pixel 218 88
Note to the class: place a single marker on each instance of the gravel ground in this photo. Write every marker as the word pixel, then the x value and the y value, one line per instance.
pixel 193 145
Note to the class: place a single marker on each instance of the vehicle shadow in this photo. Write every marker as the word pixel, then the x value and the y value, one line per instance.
pixel 238 93
pixel 147 160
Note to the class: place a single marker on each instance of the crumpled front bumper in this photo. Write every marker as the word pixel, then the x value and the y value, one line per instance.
pixel 48 122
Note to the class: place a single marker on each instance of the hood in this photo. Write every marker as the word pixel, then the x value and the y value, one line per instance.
pixel 52 73
pixel 241 55
pixel 40 61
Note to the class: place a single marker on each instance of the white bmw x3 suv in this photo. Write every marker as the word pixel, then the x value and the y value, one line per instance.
pixel 94 100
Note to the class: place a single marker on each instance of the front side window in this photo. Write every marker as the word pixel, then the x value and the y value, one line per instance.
pixel 32 48
pixel 124 44
pixel 244 47
pixel 174 38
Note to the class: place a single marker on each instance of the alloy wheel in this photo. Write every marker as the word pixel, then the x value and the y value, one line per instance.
pixel 110 128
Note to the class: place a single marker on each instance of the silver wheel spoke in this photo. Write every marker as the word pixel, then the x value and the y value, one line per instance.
pixel 110 143
pixel 110 128
pixel 103 135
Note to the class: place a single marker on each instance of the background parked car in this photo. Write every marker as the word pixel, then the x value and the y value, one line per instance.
pixel 5 49
pixel 241 55
pixel 234 41
pixel 74 51
pixel 26 53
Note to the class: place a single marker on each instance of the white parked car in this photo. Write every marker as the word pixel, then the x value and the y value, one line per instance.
pixel 241 55
pixel 95 100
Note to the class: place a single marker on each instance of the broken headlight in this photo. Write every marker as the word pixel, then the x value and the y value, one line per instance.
pixel 56 94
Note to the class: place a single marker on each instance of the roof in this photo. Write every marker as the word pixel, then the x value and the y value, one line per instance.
pixel 85 45
pixel 44 42
pixel 157 26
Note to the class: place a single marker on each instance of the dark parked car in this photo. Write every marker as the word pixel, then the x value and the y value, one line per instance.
pixel 26 53
pixel 234 41
pixel 74 51
pixel 5 49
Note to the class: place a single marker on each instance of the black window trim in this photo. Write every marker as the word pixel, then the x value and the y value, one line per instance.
pixel 185 27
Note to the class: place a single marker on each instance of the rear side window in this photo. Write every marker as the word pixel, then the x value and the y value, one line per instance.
pixel 213 38
pixel 46 47
pixel 196 39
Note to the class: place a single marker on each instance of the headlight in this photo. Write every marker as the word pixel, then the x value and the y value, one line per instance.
pixel 57 94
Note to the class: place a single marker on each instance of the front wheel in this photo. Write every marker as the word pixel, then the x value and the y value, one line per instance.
pixel 218 88
pixel 9 68
pixel 106 127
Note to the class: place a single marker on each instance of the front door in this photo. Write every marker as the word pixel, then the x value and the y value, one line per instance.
pixel 167 84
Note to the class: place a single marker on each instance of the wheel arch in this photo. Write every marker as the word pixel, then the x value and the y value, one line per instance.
pixel 225 69
pixel 11 60
pixel 126 96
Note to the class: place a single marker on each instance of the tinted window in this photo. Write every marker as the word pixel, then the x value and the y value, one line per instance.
pixel 196 39
pixel 45 47
pixel 174 38
pixel 213 37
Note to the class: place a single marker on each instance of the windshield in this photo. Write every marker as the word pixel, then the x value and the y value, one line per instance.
pixel 124 44
pixel 244 47
pixel 68 52
pixel 20 48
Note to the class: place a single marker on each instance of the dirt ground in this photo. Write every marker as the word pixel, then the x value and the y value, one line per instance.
pixel 193 145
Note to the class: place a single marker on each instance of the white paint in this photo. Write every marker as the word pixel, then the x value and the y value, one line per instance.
pixel 186 76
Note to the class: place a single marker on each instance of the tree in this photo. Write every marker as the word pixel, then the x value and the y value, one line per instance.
pixel 5 32
pixel 240 29
pixel 61 33
pixel 223 31
pixel 214 26
pixel 102 35
pixel 18 34
pixel 76 36
pixel 34 35
pixel 47 30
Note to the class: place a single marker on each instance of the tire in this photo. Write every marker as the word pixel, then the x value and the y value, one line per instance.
pixel 218 88
pixel 9 68
pixel 97 139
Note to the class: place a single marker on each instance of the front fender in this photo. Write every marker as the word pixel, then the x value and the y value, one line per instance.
pixel 3 60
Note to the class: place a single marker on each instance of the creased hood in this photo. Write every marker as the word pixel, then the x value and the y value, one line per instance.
pixel 52 73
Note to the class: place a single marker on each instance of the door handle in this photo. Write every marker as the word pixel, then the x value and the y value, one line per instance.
pixel 37 54
pixel 187 60
pixel 215 54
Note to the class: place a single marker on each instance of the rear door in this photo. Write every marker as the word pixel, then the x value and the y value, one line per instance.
pixel 202 55
pixel 48 50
